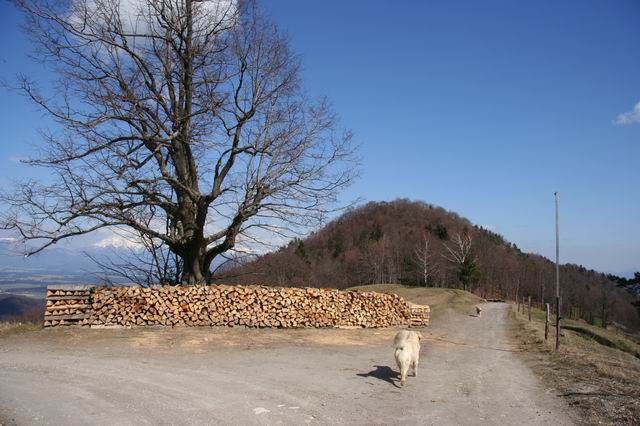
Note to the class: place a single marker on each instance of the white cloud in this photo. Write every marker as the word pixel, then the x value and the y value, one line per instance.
pixel 629 117
pixel 138 17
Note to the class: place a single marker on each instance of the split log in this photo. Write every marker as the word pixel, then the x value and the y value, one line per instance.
pixel 83 297
pixel 66 317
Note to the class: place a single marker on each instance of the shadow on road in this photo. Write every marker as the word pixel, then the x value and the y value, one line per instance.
pixel 382 372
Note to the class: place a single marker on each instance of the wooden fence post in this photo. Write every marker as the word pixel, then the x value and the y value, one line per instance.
pixel 557 323
pixel 546 322
pixel 529 308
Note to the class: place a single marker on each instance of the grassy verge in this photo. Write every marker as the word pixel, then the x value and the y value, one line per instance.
pixel 18 327
pixel 439 299
pixel 597 371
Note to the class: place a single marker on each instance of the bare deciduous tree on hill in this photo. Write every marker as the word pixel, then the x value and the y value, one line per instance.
pixel 459 254
pixel 180 112
pixel 460 250
pixel 423 258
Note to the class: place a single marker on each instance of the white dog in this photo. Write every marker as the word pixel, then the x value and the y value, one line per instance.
pixel 478 311
pixel 407 345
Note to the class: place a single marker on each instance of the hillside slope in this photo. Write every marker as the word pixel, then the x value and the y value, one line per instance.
pixel 415 243
pixel 597 371
pixel 439 299
pixel 21 308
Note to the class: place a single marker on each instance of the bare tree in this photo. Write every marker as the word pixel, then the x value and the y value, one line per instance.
pixel 373 262
pixel 605 306
pixel 180 112
pixel 423 257
pixel 459 254
pixel 460 250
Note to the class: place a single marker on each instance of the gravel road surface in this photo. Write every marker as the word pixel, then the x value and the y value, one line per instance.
pixel 470 374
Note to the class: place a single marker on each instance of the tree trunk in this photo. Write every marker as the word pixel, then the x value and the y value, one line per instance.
pixel 196 265
pixel 192 273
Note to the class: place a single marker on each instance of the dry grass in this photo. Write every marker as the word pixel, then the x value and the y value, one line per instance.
pixel 18 327
pixel 439 299
pixel 596 370
pixel 196 339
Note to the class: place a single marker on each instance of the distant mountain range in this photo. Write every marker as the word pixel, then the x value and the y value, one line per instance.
pixel 57 259
pixel 24 281
pixel 55 265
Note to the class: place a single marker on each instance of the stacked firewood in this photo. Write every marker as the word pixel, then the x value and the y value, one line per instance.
pixel 67 305
pixel 251 306
pixel 420 315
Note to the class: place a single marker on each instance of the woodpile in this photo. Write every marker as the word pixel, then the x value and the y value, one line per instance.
pixel 419 315
pixel 222 305
pixel 250 306
pixel 67 305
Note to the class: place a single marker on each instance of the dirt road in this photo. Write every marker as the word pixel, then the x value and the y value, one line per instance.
pixel 470 374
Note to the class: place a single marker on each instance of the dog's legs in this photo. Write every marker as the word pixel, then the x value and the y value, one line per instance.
pixel 404 370
pixel 415 368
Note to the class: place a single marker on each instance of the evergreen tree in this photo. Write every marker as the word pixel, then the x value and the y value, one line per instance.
pixel 469 272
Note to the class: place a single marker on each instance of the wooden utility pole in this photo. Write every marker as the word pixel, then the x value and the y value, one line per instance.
pixel 546 322
pixel 557 274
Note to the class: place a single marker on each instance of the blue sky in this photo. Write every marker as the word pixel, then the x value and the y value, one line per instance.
pixel 485 108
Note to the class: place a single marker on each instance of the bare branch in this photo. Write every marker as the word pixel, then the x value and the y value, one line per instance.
pixel 183 121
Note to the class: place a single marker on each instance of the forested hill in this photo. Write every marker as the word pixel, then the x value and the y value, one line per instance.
pixel 415 243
